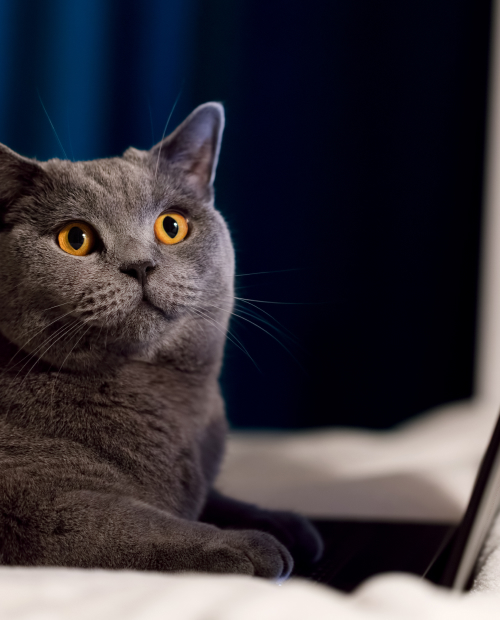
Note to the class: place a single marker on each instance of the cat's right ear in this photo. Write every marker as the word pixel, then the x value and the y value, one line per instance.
pixel 193 148
pixel 18 175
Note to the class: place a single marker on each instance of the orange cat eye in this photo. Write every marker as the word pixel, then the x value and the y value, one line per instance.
pixel 171 228
pixel 77 238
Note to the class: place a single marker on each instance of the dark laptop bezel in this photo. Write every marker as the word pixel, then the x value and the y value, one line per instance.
pixel 458 569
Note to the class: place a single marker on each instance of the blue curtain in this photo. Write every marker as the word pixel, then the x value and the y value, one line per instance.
pixel 105 72
pixel 6 55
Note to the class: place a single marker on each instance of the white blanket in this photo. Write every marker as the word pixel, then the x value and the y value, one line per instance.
pixel 57 594
pixel 423 470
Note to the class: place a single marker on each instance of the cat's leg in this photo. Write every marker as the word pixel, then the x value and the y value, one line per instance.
pixel 94 529
pixel 297 533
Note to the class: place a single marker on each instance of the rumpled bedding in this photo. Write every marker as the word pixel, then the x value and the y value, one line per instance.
pixel 423 470
pixel 57 594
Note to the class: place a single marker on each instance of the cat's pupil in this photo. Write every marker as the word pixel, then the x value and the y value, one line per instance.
pixel 76 237
pixel 170 226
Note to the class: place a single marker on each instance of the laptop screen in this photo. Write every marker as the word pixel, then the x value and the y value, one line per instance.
pixel 477 521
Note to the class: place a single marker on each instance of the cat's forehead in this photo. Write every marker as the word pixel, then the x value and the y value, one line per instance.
pixel 108 188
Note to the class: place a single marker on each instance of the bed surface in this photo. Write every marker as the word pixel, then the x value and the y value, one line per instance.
pixel 423 470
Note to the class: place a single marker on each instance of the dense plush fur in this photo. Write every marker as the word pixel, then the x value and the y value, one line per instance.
pixel 112 424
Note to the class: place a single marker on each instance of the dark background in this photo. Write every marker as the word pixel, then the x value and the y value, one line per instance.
pixel 351 174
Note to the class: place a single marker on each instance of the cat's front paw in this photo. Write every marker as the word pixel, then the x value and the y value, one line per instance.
pixel 252 553
pixel 297 533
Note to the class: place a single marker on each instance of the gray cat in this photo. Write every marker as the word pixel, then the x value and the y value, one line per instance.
pixel 116 285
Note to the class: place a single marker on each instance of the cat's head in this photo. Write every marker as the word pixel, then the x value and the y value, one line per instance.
pixel 123 256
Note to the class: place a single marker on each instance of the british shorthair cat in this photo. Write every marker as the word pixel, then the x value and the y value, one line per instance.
pixel 116 287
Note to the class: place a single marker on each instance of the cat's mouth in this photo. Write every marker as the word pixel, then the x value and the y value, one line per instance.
pixel 145 301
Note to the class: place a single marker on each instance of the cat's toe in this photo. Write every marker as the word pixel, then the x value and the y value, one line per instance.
pixel 269 558
pixel 297 533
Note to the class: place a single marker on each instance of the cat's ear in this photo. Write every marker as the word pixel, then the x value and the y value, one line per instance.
pixel 194 146
pixel 17 175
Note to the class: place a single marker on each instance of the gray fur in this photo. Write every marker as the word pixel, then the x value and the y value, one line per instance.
pixel 112 424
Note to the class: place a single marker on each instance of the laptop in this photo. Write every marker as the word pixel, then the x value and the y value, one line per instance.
pixel 444 553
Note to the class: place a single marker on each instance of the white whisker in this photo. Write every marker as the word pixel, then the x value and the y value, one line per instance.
pixel 165 131
pixel 231 337
pixel 52 125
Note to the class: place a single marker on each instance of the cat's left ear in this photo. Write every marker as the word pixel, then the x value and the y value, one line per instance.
pixel 18 175
pixel 194 146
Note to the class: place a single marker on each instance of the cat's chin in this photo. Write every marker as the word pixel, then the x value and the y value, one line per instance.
pixel 145 305
pixel 143 327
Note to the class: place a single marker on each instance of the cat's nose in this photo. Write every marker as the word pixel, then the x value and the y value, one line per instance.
pixel 139 271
